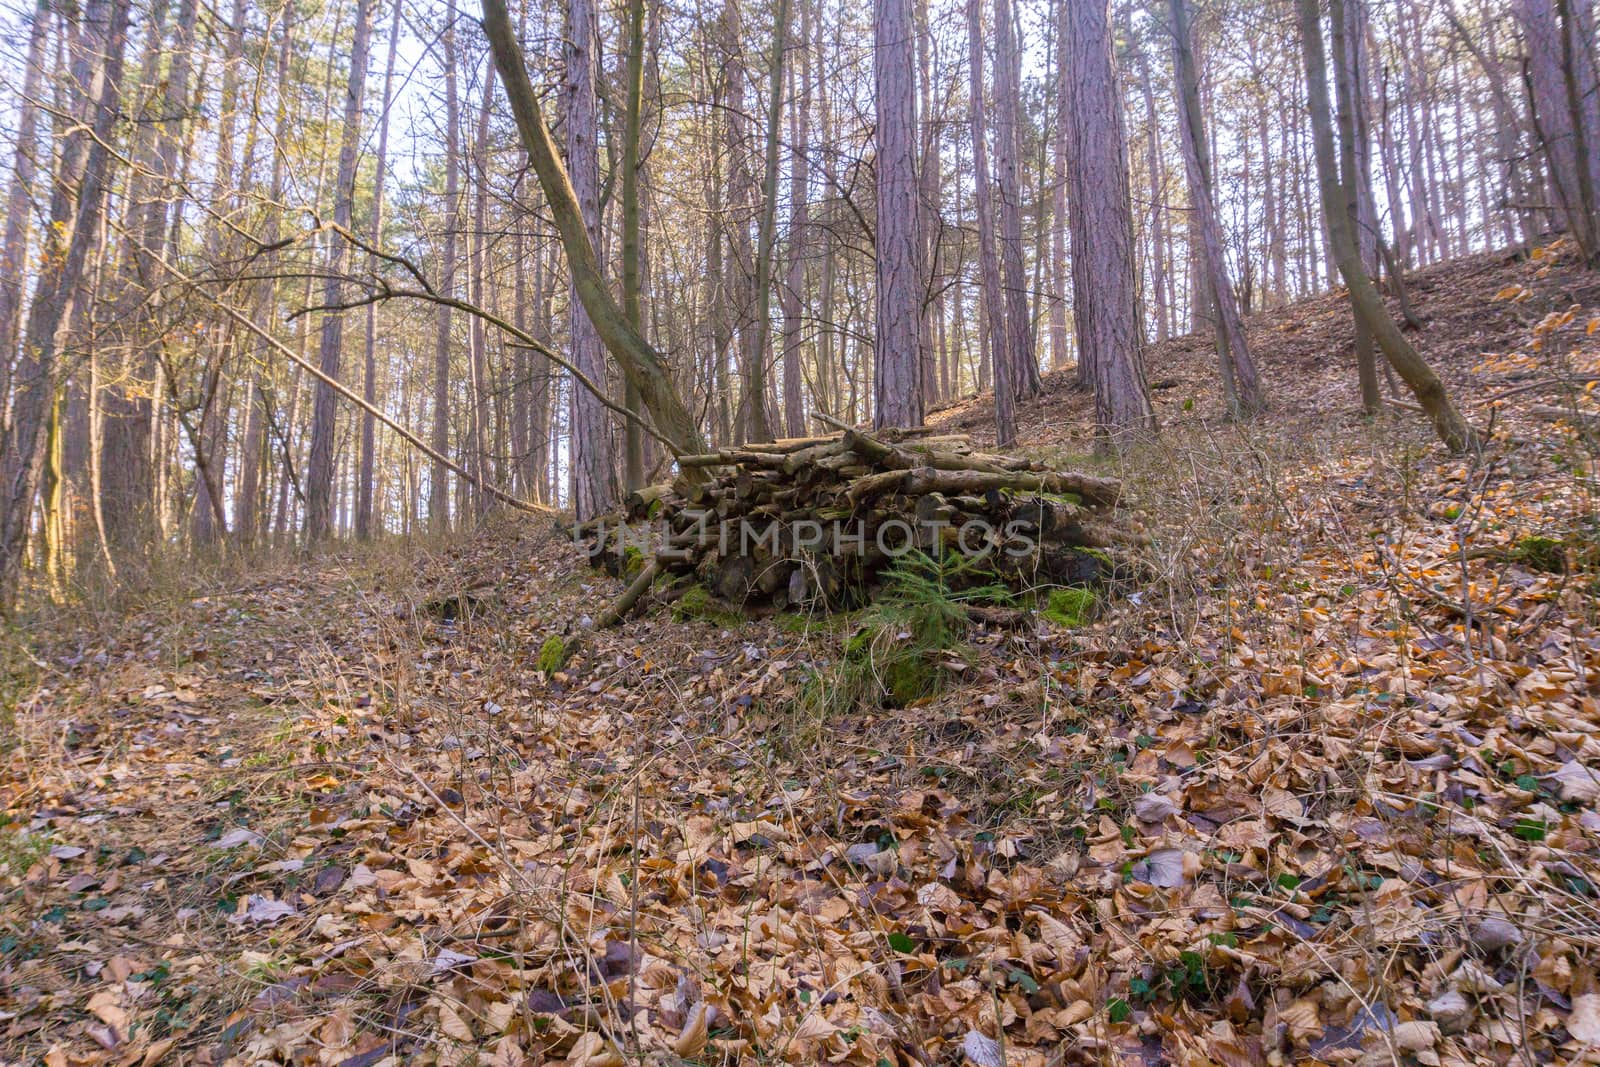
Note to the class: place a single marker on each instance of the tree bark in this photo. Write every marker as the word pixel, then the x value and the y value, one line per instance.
pixel 14 250
pixel 897 343
pixel 632 239
pixel 793 293
pixel 1105 297
pixel 1007 102
pixel 369 378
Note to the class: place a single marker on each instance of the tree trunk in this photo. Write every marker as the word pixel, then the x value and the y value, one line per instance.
pixel 589 442
pixel 14 251
pixel 1007 103
pixel 369 378
pixel 439 475
pixel 993 321
pixel 324 410
pixel 897 342
pixel 1425 385
pixel 1242 384
pixel 67 252
pixel 1105 297
pixel 637 360
pixel 760 428
pixel 632 241
pixel 793 292
pixel 1349 31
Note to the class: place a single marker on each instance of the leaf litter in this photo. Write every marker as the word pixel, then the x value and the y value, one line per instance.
pixel 1323 790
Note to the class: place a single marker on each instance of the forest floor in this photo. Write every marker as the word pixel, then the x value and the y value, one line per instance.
pixel 1322 790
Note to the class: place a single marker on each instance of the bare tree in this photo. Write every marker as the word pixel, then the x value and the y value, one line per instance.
pixel 439 476
pixel 319 468
pixel 14 250
pixel 1018 331
pixel 592 488
pixel 1425 384
pixel 792 293
pixel 75 215
pixel 994 304
pixel 1241 385
pixel 369 376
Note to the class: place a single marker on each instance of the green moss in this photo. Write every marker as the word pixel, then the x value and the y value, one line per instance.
pixel 552 654
pixel 632 562
pixel 697 603
pixel 1541 553
pixel 1070 606
pixel 906 677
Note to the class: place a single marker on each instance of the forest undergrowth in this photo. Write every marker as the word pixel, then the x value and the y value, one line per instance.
pixel 1321 787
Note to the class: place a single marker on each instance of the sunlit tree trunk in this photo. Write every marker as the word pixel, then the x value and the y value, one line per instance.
pixel 14 250
pixel 75 214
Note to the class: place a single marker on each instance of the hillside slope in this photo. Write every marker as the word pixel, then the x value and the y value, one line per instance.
pixel 1321 789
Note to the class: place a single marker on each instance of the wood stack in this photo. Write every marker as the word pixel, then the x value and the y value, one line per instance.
pixel 814 521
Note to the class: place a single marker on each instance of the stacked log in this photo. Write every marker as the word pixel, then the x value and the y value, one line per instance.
pixel 814 522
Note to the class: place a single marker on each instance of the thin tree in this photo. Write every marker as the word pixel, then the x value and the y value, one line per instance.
pixel 632 238
pixel 589 442
pixel 790 296
pixel 1241 385
pixel 994 305
pixel 14 249
pixel 75 215
pixel 369 376
pixel 324 412
pixel 439 475
pixel 1430 392
pixel 1024 369
pixel 634 355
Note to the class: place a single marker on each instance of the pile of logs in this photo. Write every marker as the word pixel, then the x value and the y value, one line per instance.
pixel 814 522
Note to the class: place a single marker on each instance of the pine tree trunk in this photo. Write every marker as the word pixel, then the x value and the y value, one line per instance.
pixel 1105 297
pixel 897 343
